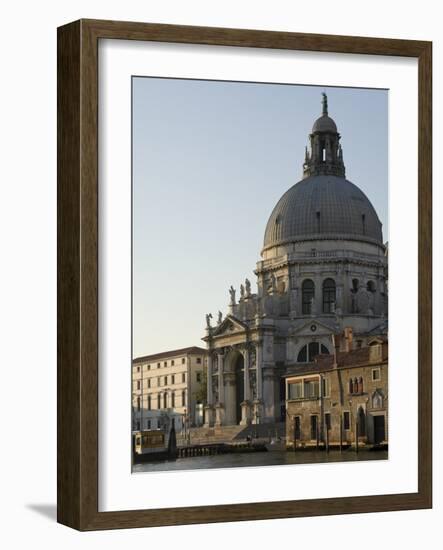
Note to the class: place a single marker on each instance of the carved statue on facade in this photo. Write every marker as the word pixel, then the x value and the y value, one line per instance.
pixel 232 294
pixel 248 287
pixel 242 292
pixel 273 284
pixel 208 320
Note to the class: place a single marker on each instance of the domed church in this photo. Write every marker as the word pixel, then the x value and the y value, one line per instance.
pixel 323 269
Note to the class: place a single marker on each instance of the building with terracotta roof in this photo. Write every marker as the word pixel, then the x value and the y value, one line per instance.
pixel 339 399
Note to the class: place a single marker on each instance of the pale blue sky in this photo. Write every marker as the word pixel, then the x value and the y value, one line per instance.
pixel 210 161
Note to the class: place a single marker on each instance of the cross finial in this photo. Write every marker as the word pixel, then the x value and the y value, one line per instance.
pixel 324 103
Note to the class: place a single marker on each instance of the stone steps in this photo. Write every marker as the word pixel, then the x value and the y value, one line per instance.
pixel 218 434
pixel 225 434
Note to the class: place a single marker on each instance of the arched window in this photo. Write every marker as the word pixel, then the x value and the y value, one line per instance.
pixel 351 386
pixel 303 355
pixel 328 296
pixel 309 351
pixel 377 400
pixel 360 385
pixel 308 294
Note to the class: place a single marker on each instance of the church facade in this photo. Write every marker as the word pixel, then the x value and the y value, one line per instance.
pixel 323 268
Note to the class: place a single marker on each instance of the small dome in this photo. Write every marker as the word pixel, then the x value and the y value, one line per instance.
pixel 324 124
pixel 323 207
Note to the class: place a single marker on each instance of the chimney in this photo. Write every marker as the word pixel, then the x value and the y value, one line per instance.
pixel 348 339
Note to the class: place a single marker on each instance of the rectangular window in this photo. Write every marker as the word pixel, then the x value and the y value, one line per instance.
pixel 149 382
pixel 172 378
pixel 295 390
pixel 149 402
pixel 325 387
pixel 165 364
pixel 311 389
pixel 172 362
pixel 172 399
pixel 346 420
pixel 165 380
pixel 149 367
pixel 183 360
pixel 149 424
pixel 328 421
pixel 138 369
pixel 376 375
pixel 158 365
pixel 138 384
pixel 199 360
pixel 183 377
pixel 199 376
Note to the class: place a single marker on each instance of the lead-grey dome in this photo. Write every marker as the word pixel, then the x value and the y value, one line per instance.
pixel 324 124
pixel 323 207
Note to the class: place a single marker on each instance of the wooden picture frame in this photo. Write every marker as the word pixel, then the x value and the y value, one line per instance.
pixel 77 480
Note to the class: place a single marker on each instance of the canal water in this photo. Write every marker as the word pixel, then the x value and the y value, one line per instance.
pixel 272 458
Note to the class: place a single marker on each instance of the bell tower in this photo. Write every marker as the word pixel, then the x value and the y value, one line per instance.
pixel 325 156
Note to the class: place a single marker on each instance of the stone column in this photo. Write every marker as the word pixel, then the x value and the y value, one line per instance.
pixel 209 380
pixel 219 407
pixel 259 366
pixel 317 306
pixel 246 405
pixel 209 408
pixel 293 307
pixel 339 299
pixel 257 412
pixel 220 359
pixel 247 390
pixel 269 394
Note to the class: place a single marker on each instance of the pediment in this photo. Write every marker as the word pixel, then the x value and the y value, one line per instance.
pixel 313 327
pixel 229 325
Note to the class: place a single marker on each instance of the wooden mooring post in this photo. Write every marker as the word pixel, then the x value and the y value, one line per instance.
pixel 341 432
pixel 295 433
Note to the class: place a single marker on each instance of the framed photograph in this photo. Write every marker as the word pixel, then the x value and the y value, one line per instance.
pixel 244 275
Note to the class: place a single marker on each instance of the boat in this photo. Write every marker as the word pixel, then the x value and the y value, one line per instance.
pixel 150 445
